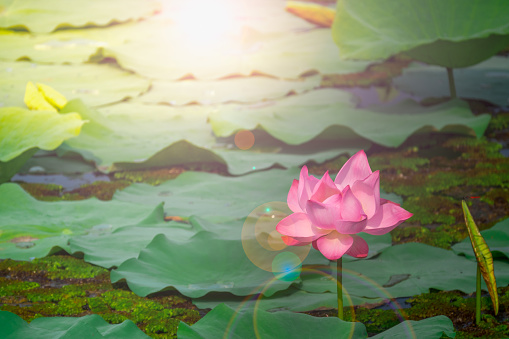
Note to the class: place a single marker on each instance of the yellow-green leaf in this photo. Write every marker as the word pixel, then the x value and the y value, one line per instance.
pixel 55 98
pixel 35 100
pixel 483 255
pixel 314 13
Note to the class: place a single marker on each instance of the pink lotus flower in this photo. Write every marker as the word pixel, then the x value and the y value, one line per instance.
pixel 329 214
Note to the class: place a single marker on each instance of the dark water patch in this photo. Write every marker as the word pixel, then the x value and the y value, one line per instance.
pixel 68 182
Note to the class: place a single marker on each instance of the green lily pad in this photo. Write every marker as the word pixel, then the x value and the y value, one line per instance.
pixel 206 263
pixel 242 89
pixel 47 16
pixel 486 81
pixel 430 328
pixel 289 119
pixel 30 228
pixel 22 129
pixel 224 321
pixel 376 30
pixel 113 247
pixel 415 275
pixel 68 46
pixel 283 55
pixel 22 132
pixel 95 84
pixel 212 196
pixel 496 237
pixel 66 327
pixel 127 132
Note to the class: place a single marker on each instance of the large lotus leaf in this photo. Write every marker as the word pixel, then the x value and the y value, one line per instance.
pixel 63 46
pixel 400 271
pixel 225 322
pixel 114 246
pixel 430 328
pixel 135 132
pixel 487 81
pixel 290 120
pixel 292 299
pixel 496 237
pixel 242 89
pixel 240 162
pixel 213 196
pixel 33 228
pixel 23 131
pixel 283 55
pixel 46 16
pixel 95 84
pixel 89 326
pixel 206 263
pixel 432 31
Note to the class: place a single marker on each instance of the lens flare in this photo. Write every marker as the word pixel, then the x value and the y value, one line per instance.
pixel 263 244
pixel 244 139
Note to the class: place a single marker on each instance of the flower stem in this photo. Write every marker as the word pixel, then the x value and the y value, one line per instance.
pixel 478 296
pixel 452 86
pixel 339 274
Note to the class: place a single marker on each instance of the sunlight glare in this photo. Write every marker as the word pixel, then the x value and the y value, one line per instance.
pixel 204 22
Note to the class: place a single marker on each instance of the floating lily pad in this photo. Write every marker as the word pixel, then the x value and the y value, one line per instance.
pixel 206 263
pixel 113 247
pixel 135 132
pixel 497 238
pixel 95 84
pixel 66 327
pixel 283 55
pixel 376 30
pixel 416 275
pixel 32 228
pixel 290 119
pixel 47 16
pixel 487 81
pixel 22 132
pixel 242 89
pixel 430 328
pixel 224 321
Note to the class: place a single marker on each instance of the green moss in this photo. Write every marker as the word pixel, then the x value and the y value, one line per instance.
pixel 13 287
pixel 102 190
pixel 152 177
pixel 55 267
pixel 499 122
pixel 477 148
pixel 375 320
pixel 432 209
pixel 46 192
